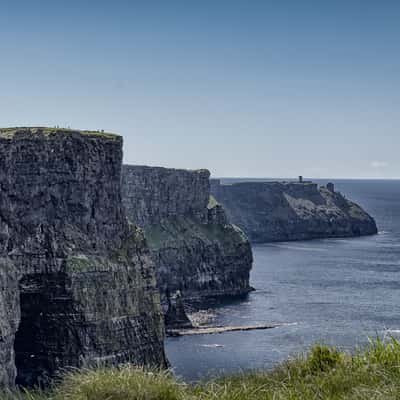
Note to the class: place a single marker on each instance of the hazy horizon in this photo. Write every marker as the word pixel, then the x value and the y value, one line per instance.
pixel 280 178
pixel 243 89
pixel 306 178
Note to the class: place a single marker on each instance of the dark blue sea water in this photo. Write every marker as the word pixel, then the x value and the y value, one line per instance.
pixel 338 292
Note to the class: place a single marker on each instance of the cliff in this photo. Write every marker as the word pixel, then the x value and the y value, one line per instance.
pixel 77 282
pixel 151 194
pixel 279 211
pixel 196 250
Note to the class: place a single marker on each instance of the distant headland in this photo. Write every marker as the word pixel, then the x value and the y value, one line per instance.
pixel 284 211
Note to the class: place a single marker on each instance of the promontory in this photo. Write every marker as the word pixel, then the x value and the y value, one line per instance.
pixel 280 211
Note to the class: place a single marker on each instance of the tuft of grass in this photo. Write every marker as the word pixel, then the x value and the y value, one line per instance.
pixel 24 394
pixel 323 359
pixel 323 374
pixel 125 383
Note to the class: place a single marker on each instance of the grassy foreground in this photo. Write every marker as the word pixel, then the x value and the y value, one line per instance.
pixel 324 373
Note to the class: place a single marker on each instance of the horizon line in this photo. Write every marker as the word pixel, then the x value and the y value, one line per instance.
pixel 308 178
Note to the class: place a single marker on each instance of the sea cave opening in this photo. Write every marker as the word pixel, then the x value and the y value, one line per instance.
pixel 41 336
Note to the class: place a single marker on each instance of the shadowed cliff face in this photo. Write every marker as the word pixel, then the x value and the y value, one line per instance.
pixel 279 211
pixel 200 260
pixel 195 248
pixel 151 194
pixel 78 285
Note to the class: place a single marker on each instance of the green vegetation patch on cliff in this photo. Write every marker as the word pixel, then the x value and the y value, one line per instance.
pixel 79 263
pixel 325 373
pixel 174 230
pixel 135 242
pixel 212 202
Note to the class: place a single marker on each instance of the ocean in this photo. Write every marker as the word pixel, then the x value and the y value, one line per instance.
pixel 334 291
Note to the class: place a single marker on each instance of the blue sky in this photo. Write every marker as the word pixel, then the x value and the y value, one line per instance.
pixel 244 88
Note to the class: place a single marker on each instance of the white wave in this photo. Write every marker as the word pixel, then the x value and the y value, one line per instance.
pixel 390 333
pixel 291 247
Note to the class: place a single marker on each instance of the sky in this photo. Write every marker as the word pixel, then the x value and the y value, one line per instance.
pixel 243 88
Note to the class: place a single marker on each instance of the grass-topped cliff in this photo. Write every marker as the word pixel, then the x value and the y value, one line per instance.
pixel 324 374
pixel 77 284
pixel 10 133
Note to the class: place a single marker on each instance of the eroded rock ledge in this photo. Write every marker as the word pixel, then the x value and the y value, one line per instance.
pixel 197 251
pixel 77 284
pixel 280 211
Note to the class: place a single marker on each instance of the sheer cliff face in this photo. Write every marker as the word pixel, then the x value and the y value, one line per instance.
pixel 196 250
pixel 151 194
pixel 77 282
pixel 274 211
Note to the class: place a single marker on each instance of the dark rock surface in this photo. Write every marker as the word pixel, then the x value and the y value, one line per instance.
pixel 197 251
pixel 175 315
pixel 280 211
pixel 151 194
pixel 77 282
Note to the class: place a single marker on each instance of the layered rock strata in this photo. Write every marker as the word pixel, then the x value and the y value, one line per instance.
pixel 197 251
pixel 77 281
pixel 280 211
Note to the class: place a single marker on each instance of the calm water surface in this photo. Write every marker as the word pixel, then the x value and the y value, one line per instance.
pixel 338 292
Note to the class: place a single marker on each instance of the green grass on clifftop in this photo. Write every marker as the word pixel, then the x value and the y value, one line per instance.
pixel 9 133
pixel 324 373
